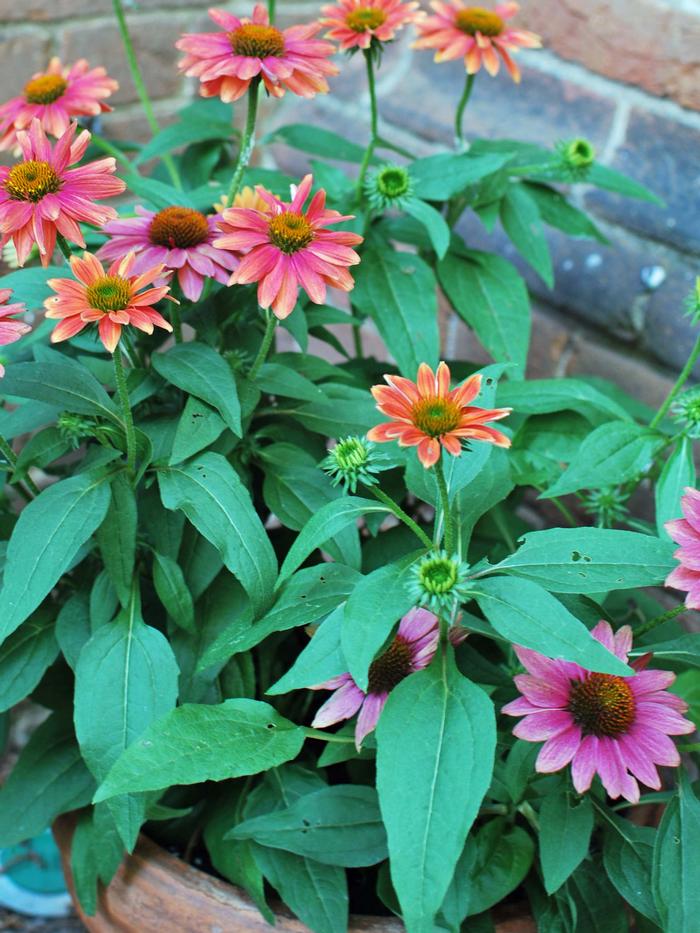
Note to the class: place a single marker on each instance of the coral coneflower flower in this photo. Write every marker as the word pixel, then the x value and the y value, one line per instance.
pixel 179 238
pixel 426 415
pixel 10 329
pixel 618 727
pixel 686 532
pixel 355 23
pixel 111 299
pixel 475 34
pixel 54 97
pixel 286 59
pixel 290 247
pixel 42 195
pixel 412 649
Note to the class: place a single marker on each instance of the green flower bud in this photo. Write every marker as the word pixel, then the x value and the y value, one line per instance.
pixel 686 411
pixel 576 157
pixel 438 580
pixel 75 428
pixel 692 303
pixel 353 460
pixel 388 186
pixel 606 505
pixel 238 360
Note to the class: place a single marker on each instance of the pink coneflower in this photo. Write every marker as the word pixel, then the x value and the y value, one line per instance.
pixel 54 97
pixel 41 195
pixel 355 23
pixel 475 34
pixel 10 329
pixel 111 299
pixel 179 238
pixel 290 247
pixel 618 727
pixel 686 532
pixel 286 59
pixel 412 649
pixel 427 415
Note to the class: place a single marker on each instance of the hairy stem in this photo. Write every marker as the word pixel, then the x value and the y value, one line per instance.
pixel 247 142
pixel 680 382
pixel 659 620
pixel 9 455
pixel 123 392
pixel 399 513
pixel 268 336
pixel 374 122
pixel 445 502
pixel 459 116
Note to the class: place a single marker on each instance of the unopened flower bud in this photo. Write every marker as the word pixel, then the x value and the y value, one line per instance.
pixel 438 580
pixel 353 460
pixel 686 411
pixel 606 505
pixel 576 157
pixel 388 186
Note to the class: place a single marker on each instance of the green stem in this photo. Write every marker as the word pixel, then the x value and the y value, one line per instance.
pixel 271 10
pixel 247 142
pixel 265 345
pixel 9 455
pixel 374 122
pixel 123 392
pixel 357 343
pixel 327 736
pixel 445 500
pixel 459 116
pixel 62 244
pixel 401 515
pixel 680 382
pixel 140 86
pixel 659 620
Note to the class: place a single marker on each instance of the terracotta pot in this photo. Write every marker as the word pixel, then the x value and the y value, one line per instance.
pixel 156 892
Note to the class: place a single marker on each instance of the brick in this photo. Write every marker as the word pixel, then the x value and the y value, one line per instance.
pixel 662 154
pixel 154 38
pixel 44 11
pixel 650 43
pixel 23 53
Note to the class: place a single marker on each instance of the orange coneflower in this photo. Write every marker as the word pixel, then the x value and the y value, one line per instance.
pixel 355 23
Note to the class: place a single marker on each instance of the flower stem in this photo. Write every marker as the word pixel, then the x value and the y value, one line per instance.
pixel 327 736
pixel 62 244
pixel 374 122
pixel 123 392
pixel 265 345
pixel 140 86
pixel 459 116
pixel 247 142
pixel 401 515
pixel 659 620
pixel 271 10
pixel 9 455
pixel 445 500
pixel 680 382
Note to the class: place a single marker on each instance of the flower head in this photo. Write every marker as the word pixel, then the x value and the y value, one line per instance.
pixel 353 460
pixel 42 195
pixel 686 532
pixel 111 299
pixel 686 411
pixel 439 580
pixel 388 186
pixel 576 156
pixel 10 329
pixel 606 505
pixel 616 726
pixel 475 34
pixel 356 24
pixel 427 415
pixel 290 247
pixel 286 59
pixel 179 238
pixel 412 649
pixel 55 97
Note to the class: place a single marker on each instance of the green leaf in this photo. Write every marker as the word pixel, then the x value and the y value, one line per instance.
pixel 628 852
pixel 597 904
pixel 684 650
pixel 488 293
pixel 325 524
pixel 489 487
pixel 590 560
pixel 319 661
pixel 192 130
pixel 41 449
pixel 278 379
pixel 25 657
pixel 455 906
pixel 603 177
pixel 546 396
pixel 374 607
pixel 198 427
pixel 397 290
pixel 48 779
pixel 96 852
pixel 29 284
pixel 201 371
pixel 196 743
pixel 521 220
pixel 435 746
pixel 212 496
pixel 676 865
pixel 339 825
pixel 528 615
pixel 172 591
pixel 678 472
pixel 318 141
pixel 68 385
pixel 434 223
pixel 116 536
pixel 48 535
pixel 614 453
pixel 439 177
pixel 556 211
pixel 158 194
pixel 503 858
pixel 565 835
pixel 73 627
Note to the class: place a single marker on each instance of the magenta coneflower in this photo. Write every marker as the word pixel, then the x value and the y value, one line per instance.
pixel 54 97
pixel 179 238
pixel 286 59
pixel 686 532
pixel 111 299
pixel 475 34
pixel 41 195
pixel 290 247
pixel 618 727
pixel 412 649
pixel 355 23
pixel 10 329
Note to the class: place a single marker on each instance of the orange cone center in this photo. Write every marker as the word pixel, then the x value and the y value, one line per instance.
pixel 109 293
pixel 390 668
pixel 31 181
pixel 45 89
pixel 475 19
pixel 435 416
pixel 603 705
pixel 364 18
pixel 178 228
pixel 254 40
pixel 290 232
